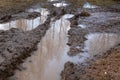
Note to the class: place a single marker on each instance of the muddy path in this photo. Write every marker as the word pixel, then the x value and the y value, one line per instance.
pixel 20 33
pixel 99 22
pixel 19 40
pixel 16 45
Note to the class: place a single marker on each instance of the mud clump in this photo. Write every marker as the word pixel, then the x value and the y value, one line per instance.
pixel 33 15
pixel 5 18
pixel 84 14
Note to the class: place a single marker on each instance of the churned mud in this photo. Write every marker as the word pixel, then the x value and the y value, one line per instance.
pixel 59 40
pixel 84 37
pixel 19 37
pixel 21 32
pixel 16 45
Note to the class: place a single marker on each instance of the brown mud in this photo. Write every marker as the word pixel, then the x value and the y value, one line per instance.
pixel 16 45
pixel 101 20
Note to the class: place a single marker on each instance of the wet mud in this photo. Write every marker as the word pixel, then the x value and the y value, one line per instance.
pixel 17 43
pixel 20 33
pixel 100 67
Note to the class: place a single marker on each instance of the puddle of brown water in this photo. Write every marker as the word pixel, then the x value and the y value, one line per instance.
pixel 48 61
pixel 26 24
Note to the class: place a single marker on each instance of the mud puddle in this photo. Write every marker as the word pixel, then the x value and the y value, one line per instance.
pixel 88 5
pixel 48 61
pixel 97 44
pixel 60 4
pixel 27 24
pixel 52 0
pixel 95 47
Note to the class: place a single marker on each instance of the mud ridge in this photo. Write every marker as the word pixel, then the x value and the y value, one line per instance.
pixel 92 71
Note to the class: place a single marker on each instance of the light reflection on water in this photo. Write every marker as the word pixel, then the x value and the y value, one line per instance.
pixel 88 5
pixel 99 43
pixel 53 0
pixel 26 24
pixel 48 61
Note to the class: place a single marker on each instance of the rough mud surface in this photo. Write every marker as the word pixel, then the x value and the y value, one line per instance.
pixel 10 7
pixel 17 45
pixel 105 67
pixel 107 22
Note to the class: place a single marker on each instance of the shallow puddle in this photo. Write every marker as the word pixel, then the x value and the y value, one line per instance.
pixel 99 43
pixel 88 5
pixel 61 4
pixel 26 24
pixel 53 0
pixel 48 61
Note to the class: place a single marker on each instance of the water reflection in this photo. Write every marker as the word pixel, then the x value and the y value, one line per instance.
pixel 82 26
pixel 97 44
pixel 48 61
pixel 52 0
pixel 21 24
pixel 26 24
pixel 100 42
pixel 61 4
pixel 88 5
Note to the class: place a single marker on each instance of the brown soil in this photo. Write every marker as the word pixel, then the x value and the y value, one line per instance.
pixel 104 67
pixel 107 68
pixel 105 21
pixel 16 45
pixel 10 7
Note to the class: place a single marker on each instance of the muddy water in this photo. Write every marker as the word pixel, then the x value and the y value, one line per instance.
pixel 99 43
pixel 26 24
pixel 88 5
pixel 96 44
pixel 48 61
pixel 52 0
pixel 61 4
